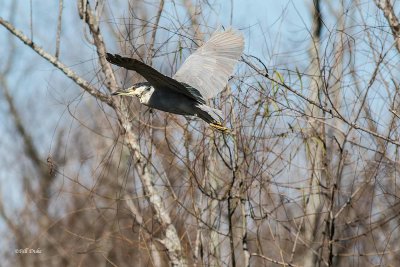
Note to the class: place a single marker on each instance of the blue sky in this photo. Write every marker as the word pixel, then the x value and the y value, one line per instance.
pixel 275 31
pixel 40 91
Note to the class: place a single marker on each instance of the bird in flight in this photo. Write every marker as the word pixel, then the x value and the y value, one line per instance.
pixel 203 75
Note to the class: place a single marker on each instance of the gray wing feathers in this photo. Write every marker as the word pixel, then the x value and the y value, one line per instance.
pixel 209 67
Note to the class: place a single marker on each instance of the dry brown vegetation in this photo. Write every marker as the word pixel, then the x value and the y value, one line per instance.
pixel 308 177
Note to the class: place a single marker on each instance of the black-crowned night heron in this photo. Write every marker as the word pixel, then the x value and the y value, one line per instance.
pixel 202 76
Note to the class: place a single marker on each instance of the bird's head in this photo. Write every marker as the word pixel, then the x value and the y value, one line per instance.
pixel 139 90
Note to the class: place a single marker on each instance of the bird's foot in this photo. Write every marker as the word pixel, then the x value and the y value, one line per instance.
pixel 219 127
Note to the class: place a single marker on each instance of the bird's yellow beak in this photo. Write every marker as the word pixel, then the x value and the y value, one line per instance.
pixel 127 92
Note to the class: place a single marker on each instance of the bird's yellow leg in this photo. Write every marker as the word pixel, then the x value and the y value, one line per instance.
pixel 218 126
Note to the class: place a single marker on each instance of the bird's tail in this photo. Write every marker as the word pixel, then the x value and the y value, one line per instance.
pixel 212 116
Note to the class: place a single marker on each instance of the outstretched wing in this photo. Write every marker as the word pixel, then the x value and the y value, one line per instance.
pixel 209 67
pixel 153 76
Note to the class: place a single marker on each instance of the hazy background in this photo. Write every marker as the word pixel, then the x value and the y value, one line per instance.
pixel 310 176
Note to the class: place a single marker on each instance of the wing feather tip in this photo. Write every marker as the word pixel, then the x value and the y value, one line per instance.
pixel 112 58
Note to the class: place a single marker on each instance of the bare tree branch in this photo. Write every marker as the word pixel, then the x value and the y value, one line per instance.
pixel 53 60
pixel 388 11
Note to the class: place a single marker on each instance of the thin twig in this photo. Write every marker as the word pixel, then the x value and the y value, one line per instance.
pixel 59 22
pixel 273 261
pixel 154 32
